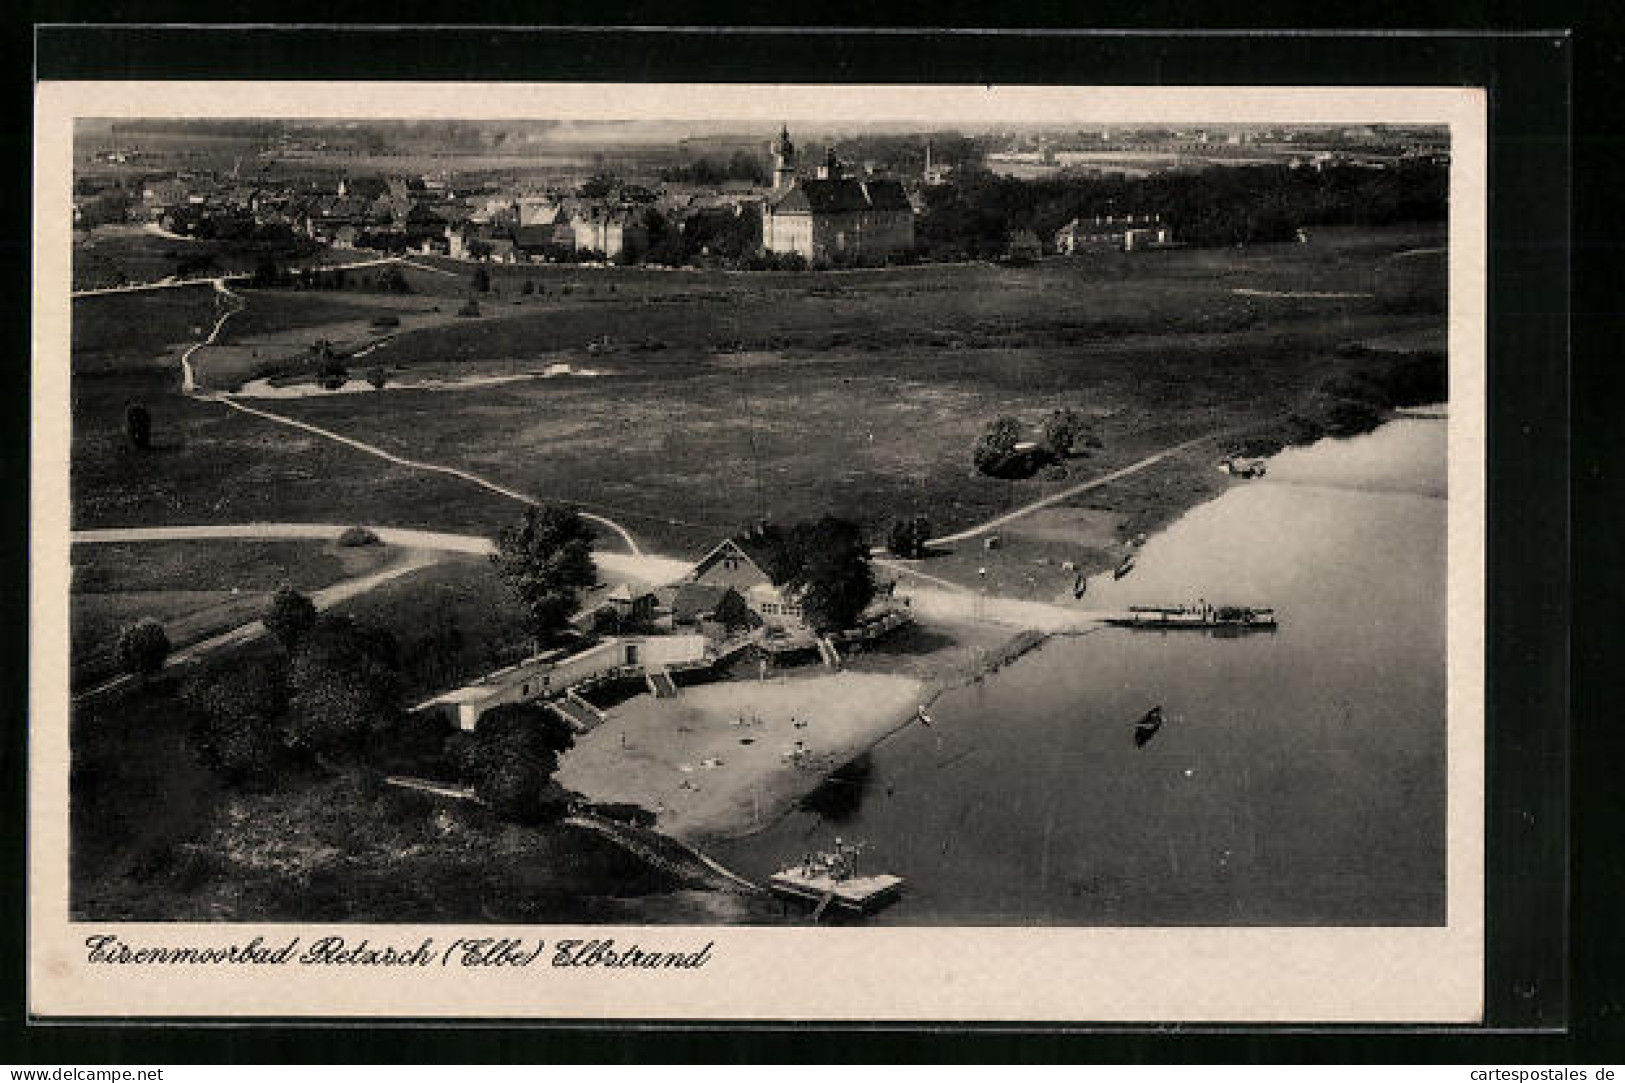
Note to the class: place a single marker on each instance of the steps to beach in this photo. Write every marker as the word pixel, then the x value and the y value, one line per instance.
pixel 827 651
pixel 581 715
pixel 660 683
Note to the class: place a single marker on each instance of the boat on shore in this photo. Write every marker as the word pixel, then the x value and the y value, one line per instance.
pixel 1201 615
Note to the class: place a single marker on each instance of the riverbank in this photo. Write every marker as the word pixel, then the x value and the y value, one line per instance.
pixel 1300 778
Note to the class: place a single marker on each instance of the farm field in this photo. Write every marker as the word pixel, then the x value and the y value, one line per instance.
pixel 726 396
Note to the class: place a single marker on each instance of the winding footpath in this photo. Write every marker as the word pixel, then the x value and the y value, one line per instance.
pixel 190 388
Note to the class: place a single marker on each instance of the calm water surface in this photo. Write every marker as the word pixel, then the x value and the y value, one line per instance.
pixel 1300 777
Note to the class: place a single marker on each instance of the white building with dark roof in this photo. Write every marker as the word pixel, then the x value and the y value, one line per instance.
pixel 832 214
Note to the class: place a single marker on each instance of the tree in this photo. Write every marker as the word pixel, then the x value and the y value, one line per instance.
pixel 545 561
pixel 527 288
pixel 239 709
pixel 482 277
pixel 908 537
pixel 344 688
pixel 289 616
pixel 997 445
pixel 511 757
pixel 138 426
pixel 432 656
pixel 828 563
pixel 378 376
pixel 143 648
pixel 1061 432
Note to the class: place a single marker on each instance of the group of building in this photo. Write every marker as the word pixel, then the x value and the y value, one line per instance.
pixel 825 212
pixel 727 603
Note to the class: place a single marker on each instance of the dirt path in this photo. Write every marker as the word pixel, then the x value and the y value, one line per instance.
pixel 417 464
pixel 189 387
pixel 1075 490
pixel 188 374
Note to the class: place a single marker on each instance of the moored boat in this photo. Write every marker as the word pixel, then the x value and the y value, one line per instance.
pixel 1201 615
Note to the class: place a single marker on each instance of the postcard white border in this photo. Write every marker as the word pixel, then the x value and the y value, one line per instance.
pixel 1060 975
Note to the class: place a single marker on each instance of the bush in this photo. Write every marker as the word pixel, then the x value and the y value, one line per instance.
pixel 143 647
pixel 908 537
pixel 417 743
pixel 997 446
pixel 510 759
pixel 138 426
pixel 1062 430
pixel 344 688
pixel 378 376
pixel 359 535
pixel 332 372
pixel 469 308
pixel 386 321
pixel 289 616
pixel 239 708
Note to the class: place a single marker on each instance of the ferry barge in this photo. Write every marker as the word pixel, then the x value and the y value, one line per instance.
pixel 1201 615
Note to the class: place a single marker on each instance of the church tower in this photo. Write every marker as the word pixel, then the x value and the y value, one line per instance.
pixel 784 161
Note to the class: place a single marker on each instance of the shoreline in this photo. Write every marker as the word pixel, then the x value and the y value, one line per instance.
pixel 781 793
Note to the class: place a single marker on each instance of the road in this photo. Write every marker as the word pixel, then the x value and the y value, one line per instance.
pixel 247 633
pixel 644 567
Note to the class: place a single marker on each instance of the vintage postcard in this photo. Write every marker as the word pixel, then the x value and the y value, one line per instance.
pixel 775 552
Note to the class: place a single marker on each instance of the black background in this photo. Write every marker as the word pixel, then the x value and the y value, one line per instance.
pixel 1561 991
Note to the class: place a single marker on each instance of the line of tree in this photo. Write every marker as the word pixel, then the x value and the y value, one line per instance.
pixel 335 695
pixel 974 215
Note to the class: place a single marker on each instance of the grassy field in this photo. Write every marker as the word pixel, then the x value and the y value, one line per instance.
pixel 859 393
pixel 194 588
pixel 129 333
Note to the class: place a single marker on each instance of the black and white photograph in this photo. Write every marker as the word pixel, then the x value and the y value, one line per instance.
pixel 712 512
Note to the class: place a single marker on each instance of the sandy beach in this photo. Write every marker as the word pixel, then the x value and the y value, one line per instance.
pixel 721 760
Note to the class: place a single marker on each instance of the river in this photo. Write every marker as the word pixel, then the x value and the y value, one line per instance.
pixel 1299 778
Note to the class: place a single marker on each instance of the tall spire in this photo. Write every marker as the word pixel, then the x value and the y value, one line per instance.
pixel 784 160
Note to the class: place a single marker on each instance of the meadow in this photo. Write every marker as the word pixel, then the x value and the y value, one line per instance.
pixel 728 396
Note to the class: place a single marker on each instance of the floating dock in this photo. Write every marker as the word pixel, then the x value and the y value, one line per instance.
pixel 857 894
